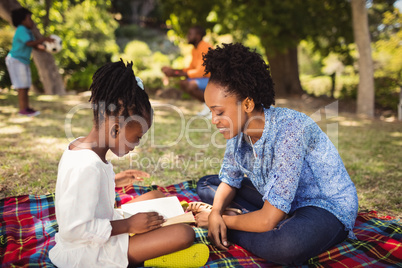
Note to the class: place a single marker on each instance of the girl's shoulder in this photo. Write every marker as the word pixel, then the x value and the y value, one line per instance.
pixel 82 158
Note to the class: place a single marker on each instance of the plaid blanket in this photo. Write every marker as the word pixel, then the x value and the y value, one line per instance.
pixel 28 226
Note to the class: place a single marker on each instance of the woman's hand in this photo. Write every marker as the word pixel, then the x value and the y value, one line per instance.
pixel 130 176
pixel 217 230
pixel 144 222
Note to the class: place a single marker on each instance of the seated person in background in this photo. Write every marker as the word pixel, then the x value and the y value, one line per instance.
pixel 195 82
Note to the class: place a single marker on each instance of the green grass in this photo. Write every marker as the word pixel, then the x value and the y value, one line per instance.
pixel 30 148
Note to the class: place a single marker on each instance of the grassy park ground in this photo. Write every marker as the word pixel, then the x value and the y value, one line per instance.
pixel 181 146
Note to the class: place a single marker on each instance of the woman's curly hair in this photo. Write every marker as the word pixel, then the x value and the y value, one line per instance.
pixel 242 72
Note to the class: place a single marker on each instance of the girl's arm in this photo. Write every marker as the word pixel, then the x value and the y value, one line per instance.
pixel 263 220
pixel 37 42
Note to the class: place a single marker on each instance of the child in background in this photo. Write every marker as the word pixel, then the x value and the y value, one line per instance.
pixel 279 167
pixel 91 233
pixel 18 59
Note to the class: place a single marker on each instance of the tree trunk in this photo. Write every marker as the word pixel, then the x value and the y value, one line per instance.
pixel 365 93
pixel 48 71
pixel 285 71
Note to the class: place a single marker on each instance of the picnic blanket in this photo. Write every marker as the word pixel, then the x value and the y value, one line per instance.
pixel 28 225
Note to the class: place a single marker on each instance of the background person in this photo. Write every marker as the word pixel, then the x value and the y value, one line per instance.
pixel 19 57
pixel 196 80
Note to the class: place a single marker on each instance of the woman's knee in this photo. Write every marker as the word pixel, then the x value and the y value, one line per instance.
pixel 285 254
pixel 208 180
pixel 206 187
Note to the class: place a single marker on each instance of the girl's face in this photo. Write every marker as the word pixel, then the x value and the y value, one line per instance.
pixel 28 22
pixel 228 113
pixel 126 136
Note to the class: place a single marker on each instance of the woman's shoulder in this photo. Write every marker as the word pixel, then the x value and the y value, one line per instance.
pixel 281 116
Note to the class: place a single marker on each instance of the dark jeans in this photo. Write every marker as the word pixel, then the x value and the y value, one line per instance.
pixel 307 232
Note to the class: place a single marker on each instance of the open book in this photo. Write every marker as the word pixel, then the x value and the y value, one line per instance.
pixel 169 207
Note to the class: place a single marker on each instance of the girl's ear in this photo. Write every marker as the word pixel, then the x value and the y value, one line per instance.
pixel 114 130
pixel 248 105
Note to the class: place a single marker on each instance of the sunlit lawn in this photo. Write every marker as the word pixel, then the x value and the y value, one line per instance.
pixel 181 146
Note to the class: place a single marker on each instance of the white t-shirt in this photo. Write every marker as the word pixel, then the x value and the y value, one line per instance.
pixel 85 200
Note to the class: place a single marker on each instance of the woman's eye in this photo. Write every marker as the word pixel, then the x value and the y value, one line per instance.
pixel 219 114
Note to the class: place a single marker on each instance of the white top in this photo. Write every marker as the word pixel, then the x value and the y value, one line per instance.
pixel 85 200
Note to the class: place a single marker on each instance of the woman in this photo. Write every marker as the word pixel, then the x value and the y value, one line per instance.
pixel 279 167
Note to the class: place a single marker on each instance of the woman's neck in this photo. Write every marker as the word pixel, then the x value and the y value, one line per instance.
pixel 255 125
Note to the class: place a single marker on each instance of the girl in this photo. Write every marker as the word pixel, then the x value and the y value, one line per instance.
pixel 18 59
pixel 91 233
pixel 279 167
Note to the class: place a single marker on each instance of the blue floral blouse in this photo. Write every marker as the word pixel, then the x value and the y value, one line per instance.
pixel 296 166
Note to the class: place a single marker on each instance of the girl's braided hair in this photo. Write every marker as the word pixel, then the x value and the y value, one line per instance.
pixel 18 15
pixel 242 72
pixel 115 92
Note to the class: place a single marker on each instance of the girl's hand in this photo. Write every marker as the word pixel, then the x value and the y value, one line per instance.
pixel 144 222
pixel 40 47
pixel 217 230
pixel 130 176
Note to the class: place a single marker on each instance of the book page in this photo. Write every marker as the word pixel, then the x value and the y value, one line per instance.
pixel 168 207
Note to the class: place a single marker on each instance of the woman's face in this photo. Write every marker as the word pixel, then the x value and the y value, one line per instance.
pixel 228 113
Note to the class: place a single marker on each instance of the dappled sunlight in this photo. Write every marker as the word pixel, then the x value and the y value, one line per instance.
pixel 165 120
pixel 349 123
pixel 8 109
pixel 20 119
pixel 49 144
pixel 398 143
pixel 73 102
pixel 47 122
pixel 396 134
pixel 49 98
pixel 12 130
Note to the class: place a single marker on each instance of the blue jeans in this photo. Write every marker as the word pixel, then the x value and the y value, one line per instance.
pixel 201 82
pixel 306 233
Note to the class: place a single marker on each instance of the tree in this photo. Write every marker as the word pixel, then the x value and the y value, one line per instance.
pixel 365 94
pixel 45 63
pixel 281 25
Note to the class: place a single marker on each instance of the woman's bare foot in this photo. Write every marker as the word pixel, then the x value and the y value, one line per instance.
pixel 202 210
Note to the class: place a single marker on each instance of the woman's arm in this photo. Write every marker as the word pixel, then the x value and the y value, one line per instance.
pixel 263 220
pixel 216 225
pixel 223 197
